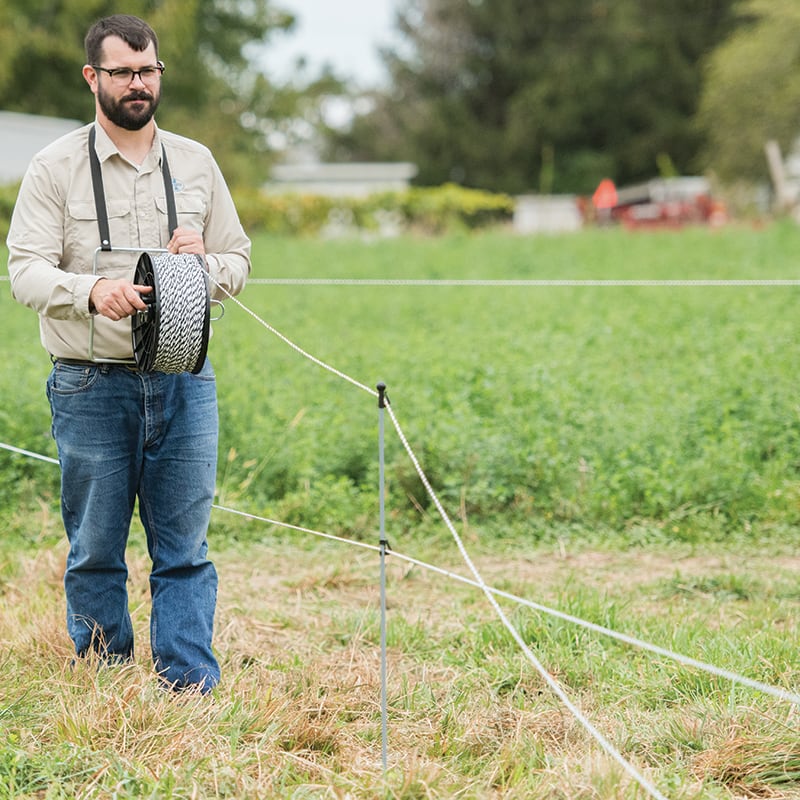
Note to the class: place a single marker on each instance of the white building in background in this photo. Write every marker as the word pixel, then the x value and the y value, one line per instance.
pixel 340 180
pixel 546 214
pixel 24 135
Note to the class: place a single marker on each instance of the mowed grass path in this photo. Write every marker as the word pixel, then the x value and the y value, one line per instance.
pixel 297 714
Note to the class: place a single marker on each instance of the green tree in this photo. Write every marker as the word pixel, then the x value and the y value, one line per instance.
pixel 515 95
pixel 752 90
pixel 208 83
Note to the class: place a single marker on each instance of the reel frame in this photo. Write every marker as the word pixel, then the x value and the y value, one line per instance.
pixel 146 324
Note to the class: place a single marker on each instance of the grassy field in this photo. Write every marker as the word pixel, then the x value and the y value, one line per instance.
pixel 627 455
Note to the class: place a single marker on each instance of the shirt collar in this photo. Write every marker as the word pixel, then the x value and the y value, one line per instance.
pixel 106 148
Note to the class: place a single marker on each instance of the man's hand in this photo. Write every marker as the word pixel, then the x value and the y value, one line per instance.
pixel 118 298
pixel 186 241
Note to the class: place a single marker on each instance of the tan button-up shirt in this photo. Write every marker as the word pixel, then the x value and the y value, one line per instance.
pixel 54 235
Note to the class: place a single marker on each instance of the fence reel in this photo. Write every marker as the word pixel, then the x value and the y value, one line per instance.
pixel 171 334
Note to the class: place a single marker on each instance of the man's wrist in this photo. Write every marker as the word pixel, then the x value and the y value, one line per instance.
pixel 91 305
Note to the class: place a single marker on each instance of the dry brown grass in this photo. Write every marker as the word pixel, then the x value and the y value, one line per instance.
pixel 298 713
pixel 754 757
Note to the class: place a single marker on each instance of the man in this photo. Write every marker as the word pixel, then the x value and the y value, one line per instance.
pixel 123 434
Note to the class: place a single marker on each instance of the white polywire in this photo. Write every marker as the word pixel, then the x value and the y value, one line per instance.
pixel 688 661
pixel 275 522
pixel 523 282
pixel 28 453
pixel 554 685
pixel 294 346
pixel 182 319
pixel 765 688
pixel 774 691
pixel 512 282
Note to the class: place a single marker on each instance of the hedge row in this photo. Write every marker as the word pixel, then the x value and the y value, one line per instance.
pixel 424 210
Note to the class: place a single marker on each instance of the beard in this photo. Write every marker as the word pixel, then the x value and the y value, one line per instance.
pixel 132 116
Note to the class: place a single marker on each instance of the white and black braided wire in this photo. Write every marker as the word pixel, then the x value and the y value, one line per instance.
pixel 183 300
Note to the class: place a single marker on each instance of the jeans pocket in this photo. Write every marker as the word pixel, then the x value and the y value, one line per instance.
pixel 71 378
pixel 206 373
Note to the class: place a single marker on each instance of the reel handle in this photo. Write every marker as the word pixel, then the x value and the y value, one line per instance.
pixel 221 310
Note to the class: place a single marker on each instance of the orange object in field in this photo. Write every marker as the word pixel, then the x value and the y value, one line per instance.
pixel 605 195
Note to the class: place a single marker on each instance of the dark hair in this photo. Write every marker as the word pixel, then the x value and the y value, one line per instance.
pixel 135 32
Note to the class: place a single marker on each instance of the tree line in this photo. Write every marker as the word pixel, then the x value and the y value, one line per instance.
pixel 502 95
pixel 212 89
pixel 554 95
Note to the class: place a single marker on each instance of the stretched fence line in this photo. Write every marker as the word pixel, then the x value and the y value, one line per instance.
pixel 687 661
pixel 554 685
pixel 329 536
pixel 29 453
pixel 295 347
pixel 516 282
pixel 525 282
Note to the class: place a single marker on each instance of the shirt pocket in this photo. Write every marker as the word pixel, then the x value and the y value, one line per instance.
pixel 190 207
pixel 82 229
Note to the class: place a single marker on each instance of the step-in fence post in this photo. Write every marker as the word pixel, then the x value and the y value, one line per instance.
pixel 384 546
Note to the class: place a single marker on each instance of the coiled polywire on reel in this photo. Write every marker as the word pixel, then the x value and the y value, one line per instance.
pixel 171 334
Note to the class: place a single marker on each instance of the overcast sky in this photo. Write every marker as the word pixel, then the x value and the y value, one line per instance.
pixel 343 33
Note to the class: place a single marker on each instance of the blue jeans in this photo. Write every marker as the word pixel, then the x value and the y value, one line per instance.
pixel 123 435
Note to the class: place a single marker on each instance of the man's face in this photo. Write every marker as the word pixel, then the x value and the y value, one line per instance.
pixel 131 104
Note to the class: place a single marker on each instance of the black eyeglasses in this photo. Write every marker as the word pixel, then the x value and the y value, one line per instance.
pixel 122 76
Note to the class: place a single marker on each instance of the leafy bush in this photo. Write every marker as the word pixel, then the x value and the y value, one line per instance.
pixel 285 214
pixel 433 210
pixel 440 209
